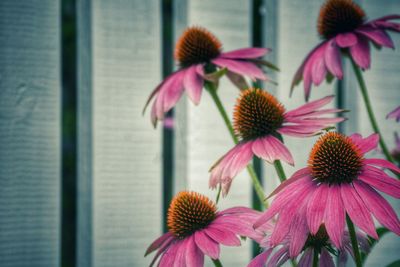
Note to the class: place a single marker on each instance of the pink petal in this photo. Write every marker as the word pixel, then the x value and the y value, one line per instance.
pixel 395 114
pixel 161 250
pixel 307 258
pixel 226 237
pixel 299 232
pixel 194 256
pixel 193 84
pixel 168 258
pixel 381 181
pixel 382 163
pixel 365 144
pixel 305 172
pixel 379 207
pixel 238 209
pixel 261 259
pixel 158 243
pixel 241 67
pixel 380 37
pixel 310 107
pixel 357 211
pixel 361 54
pixel 333 60
pixel 318 68
pixel 335 216
pixel 180 257
pixel 238 226
pixel 246 53
pixel 278 150
pixel 301 71
pixel 206 244
pixel 325 259
pixel 279 257
pixel 287 195
pixel 316 208
pixel 346 39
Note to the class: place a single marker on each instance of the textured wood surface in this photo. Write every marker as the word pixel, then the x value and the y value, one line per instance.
pixel 122 157
pixel 29 133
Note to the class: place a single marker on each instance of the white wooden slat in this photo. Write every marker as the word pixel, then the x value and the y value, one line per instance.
pixel 124 164
pixel 30 133
pixel 207 136
pixel 297 36
pixel 384 89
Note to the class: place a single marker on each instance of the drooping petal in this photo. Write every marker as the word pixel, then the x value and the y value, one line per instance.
pixel 335 216
pixel 318 68
pixel 261 259
pixel 298 231
pixel 316 208
pixel 226 237
pixel 281 152
pixel 347 39
pixel 246 53
pixel 326 259
pixel 379 36
pixel 305 172
pixel 357 211
pixel 381 181
pixel 158 243
pixel 180 257
pixel 382 163
pixel 161 250
pixel 307 258
pixel 208 246
pixel 279 257
pixel 168 258
pixel 379 207
pixel 241 67
pixel 360 52
pixel 193 84
pixel 333 59
pixel 194 256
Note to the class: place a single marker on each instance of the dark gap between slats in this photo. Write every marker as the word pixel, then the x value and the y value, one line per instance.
pixel 168 130
pixel 69 137
pixel 340 103
pixel 257 41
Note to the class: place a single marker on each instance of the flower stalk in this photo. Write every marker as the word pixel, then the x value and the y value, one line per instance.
pixel 371 115
pixel 217 263
pixel 212 89
pixel 354 242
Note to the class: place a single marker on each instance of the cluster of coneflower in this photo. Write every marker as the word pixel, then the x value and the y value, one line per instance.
pixel 326 209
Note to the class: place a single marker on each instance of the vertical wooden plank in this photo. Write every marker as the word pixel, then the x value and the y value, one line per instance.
pixel 383 86
pixel 207 136
pixel 123 153
pixel 297 36
pixel 29 133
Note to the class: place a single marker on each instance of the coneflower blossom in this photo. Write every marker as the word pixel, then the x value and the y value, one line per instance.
pixel 337 181
pixel 196 229
pixel 342 26
pixel 259 120
pixel 395 114
pixel 320 243
pixel 197 52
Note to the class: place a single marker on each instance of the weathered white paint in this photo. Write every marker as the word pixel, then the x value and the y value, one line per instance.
pixel 30 133
pixel 119 151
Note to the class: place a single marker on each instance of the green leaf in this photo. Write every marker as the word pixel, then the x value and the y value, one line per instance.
pixel 214 76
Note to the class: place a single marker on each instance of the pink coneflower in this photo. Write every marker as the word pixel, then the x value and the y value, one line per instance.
pixel 338 180
pixel 198 51
pixel 342 26
pixel 259 121
pixel 395 114
pixel 318 243
pixel 196 229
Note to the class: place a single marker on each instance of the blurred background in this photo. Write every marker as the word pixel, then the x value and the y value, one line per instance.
pixel 85 180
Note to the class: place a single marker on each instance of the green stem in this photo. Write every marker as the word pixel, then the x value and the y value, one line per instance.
pixel 211 88
pixel 279 170
pixel 315 258
pixel 217 263
pixel 354 242
pixel 374 124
